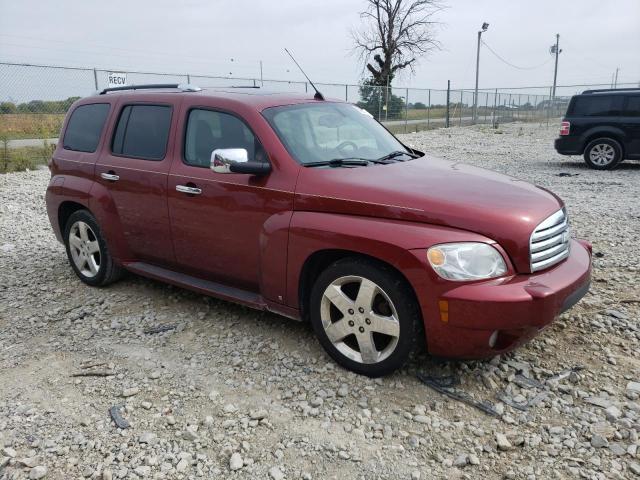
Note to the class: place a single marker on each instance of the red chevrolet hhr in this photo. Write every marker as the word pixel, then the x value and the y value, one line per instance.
pixel 311 209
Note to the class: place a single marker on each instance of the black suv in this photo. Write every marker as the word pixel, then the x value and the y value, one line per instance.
pixel 602 125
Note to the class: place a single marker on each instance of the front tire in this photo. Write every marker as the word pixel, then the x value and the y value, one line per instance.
pixel 603 154
pixel 87 250
pixel 365 316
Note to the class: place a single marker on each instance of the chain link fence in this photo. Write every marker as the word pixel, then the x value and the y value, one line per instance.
pixel 35 98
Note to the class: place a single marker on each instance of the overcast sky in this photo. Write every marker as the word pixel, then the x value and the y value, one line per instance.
pixel 231 37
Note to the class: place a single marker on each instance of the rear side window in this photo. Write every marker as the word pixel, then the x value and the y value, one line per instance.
pixel 85 127
pixel 142 132
pixel 633 107
pixel 597 105
pixel 208 130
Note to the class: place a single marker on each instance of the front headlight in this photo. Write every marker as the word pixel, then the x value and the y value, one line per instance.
pixel 466 261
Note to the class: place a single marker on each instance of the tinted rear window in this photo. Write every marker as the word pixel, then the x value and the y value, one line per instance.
pixel 633 107
pixel 597 105
pixel 85 127
pixel 143 131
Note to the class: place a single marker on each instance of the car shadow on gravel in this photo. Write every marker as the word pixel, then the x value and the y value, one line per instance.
pixel 186 299
pixel 290 335
pixel 627 165
pixel 480 385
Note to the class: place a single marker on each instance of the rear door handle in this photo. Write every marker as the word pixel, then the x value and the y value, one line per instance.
pixel 112 177
pixel 189 190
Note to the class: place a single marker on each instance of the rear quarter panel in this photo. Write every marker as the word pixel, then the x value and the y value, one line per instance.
pixel 72 172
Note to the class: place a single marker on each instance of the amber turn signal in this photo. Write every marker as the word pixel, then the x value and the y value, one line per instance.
pixel 444 310
pixel 436 257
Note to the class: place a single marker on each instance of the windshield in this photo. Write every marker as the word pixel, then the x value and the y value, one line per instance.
pixel 318 133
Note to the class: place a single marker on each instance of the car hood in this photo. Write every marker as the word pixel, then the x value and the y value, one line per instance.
pixel 434 191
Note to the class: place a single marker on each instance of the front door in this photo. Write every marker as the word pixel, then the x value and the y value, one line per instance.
pixel 220 222
pixel 134 170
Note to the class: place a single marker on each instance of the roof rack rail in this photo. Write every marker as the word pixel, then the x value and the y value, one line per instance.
pixel 602 90
pixel 185 87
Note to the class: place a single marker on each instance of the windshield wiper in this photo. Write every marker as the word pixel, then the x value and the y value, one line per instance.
pixel 395 154
pixel 340 162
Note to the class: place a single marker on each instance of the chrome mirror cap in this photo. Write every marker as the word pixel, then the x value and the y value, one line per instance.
pixel 222 159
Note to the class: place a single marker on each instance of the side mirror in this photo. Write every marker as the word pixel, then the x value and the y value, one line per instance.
pixel 236 160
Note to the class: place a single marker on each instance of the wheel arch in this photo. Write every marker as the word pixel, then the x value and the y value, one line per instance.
pixel 66 209
pixel 610 132
pixel 316 239
pixel 320 260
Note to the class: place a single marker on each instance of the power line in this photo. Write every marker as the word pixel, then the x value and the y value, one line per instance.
pixel 511 64
pixel 132 57
pixel 109 49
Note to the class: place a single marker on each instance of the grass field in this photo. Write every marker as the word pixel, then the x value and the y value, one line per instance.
pixel 23 158
pixel 423 113
pixel 30 125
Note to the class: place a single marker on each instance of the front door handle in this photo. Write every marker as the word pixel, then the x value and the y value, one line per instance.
pixel 189 190
pixel 111 176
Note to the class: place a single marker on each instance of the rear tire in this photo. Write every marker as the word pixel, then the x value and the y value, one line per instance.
pixel 87 250
pixel 603 153
pixel 365 316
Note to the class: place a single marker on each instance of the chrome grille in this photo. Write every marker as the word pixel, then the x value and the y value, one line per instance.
pixel 549 243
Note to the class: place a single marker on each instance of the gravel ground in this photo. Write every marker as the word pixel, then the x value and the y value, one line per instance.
pixel 233 393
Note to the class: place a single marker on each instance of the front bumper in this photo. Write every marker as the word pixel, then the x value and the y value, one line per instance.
pixel 487 318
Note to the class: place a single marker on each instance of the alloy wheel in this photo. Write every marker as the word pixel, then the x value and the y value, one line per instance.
pixel 360 319
pixel 602 154
pixel 85 249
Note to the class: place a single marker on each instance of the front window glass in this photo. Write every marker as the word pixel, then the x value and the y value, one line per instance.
pixel 324 132
pixel 208 130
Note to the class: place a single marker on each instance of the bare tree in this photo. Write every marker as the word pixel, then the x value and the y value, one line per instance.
pixel 397 33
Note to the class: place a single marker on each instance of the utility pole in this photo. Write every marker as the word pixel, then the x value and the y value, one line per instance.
pixel 485 25
pixel 555 49
pixel 446 124
pixel 261 80
pixel 386 100
pixel 615 82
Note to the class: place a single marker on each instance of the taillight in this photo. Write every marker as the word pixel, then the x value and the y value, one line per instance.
pixel 564 128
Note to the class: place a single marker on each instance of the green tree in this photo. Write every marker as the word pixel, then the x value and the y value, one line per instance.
pixel 373 98
pixel 8 107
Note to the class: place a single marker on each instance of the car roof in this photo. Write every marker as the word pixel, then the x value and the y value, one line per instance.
pixel 255 98
pixel 610 91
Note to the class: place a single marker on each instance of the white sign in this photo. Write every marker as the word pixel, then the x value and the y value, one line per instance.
pixel 117 79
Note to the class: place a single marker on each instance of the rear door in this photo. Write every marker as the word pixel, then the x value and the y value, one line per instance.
pixel 134 169
pixel 631 125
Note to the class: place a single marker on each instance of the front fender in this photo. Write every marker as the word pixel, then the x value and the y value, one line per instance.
pixel 391 241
